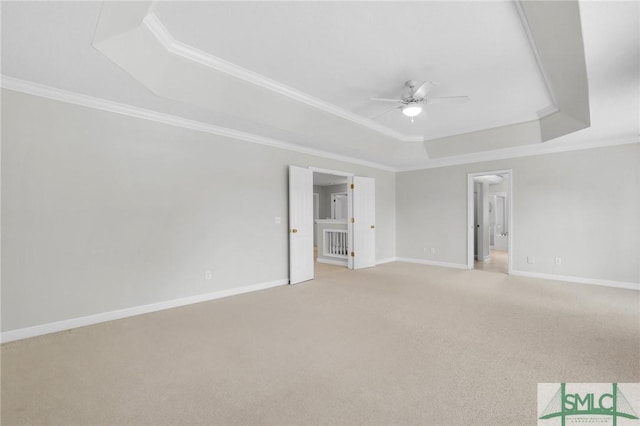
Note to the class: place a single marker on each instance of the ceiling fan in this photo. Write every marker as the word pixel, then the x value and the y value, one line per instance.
pixel 411 105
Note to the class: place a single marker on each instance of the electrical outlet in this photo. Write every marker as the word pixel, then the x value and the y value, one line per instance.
pixel 433 250
pixel 558 261
pixel 278 220
pixel 531 260
pixel 208 275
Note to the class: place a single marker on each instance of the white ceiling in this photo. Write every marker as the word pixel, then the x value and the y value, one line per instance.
pixel 346 53
pixel 318 63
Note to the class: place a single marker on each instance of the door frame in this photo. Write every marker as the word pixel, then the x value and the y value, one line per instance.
pixel 316 215
pixel 316 205
pixel 330 172
pixel 337 173
pixel 470 222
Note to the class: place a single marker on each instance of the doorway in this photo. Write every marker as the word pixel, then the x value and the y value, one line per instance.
pixel 331 233
pixel 345 242
pixel 490 223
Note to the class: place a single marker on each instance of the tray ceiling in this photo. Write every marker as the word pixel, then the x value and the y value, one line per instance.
pixel 301 74
pixel 476 49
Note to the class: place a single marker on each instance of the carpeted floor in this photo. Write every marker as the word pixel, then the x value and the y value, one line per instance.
pixel 324 270
pixel 395 344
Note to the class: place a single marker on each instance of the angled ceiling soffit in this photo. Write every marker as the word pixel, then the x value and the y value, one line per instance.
pixel 555 35
pixel 119 17
pixel 513 135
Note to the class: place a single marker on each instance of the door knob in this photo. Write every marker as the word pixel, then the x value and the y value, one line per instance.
pixel 294 230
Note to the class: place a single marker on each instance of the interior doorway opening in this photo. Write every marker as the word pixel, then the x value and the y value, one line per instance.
pixel 356 243
pixel 490 221
pixel 330 226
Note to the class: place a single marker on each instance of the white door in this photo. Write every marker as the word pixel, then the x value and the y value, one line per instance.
pixel 339 208
pixel 300 224
pixel 362 225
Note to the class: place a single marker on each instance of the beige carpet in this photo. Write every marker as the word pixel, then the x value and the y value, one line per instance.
pixel 396 344
pixel 324 270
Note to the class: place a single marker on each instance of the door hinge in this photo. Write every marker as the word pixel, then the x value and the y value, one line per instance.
pixel 353 253
pixel 352 186
pixel 353 220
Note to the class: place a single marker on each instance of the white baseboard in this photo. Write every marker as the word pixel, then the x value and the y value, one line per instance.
pixel 580 280
pixel 566 278
pixel 337 262
pixel 53 327
pixel 331 261
pixel 432 262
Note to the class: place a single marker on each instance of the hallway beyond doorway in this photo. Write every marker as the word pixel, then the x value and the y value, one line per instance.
pixel 489 220
pixel 498 262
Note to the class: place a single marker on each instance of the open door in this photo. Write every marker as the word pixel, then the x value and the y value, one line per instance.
pixel 362 225
pixel 300 224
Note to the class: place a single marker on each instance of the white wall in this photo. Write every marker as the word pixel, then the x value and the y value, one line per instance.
pixel 102 211
pixel 581 206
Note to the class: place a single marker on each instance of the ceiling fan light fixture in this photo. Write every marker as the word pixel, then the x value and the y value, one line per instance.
pixel 411 110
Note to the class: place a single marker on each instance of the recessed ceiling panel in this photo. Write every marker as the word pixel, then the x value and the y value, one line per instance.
pixel 345 53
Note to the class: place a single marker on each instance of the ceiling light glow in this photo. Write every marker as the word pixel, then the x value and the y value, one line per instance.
pixel 411 110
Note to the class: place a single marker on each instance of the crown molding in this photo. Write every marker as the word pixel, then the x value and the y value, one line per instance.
pixel 61 95
pixel 517 152
pixel 158 30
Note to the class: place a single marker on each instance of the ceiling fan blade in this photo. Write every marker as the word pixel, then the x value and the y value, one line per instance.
pixel 385 100
pixel 389 110
pixel 448 100
pixel 422 91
